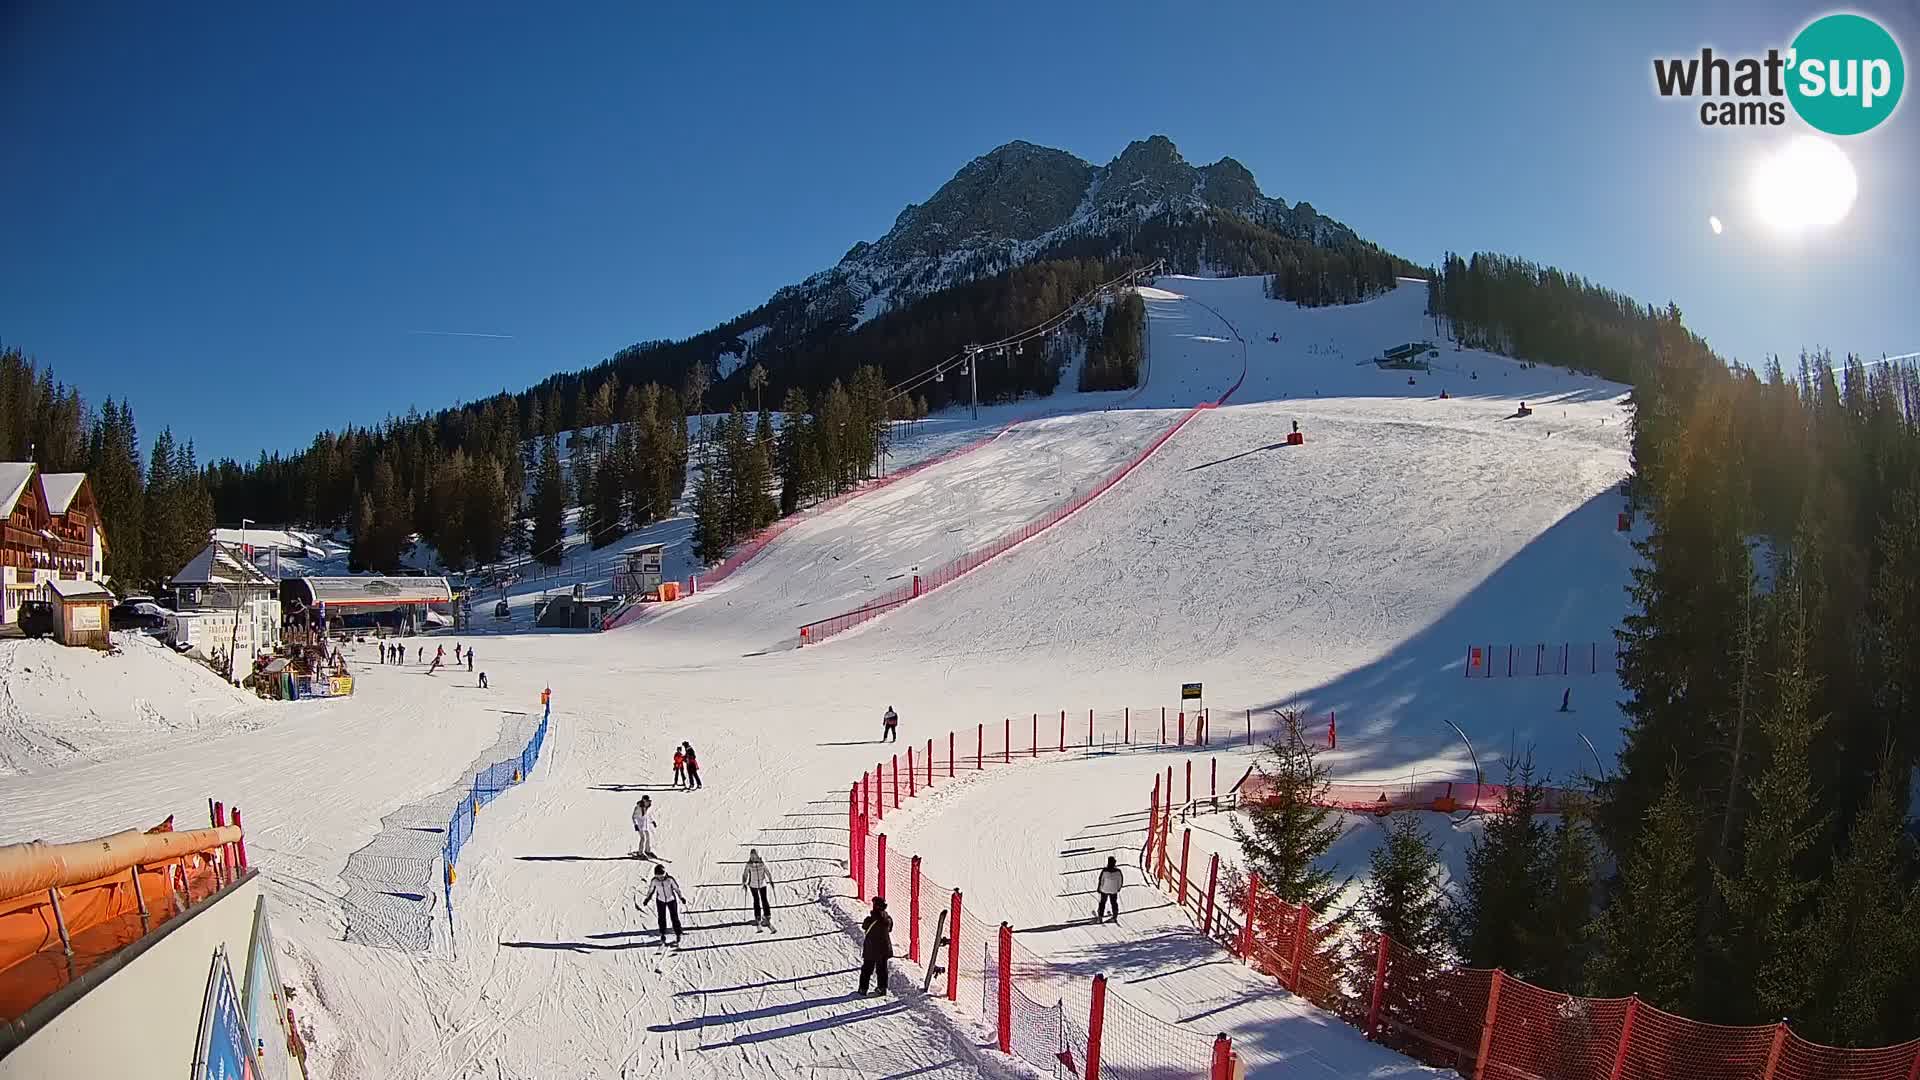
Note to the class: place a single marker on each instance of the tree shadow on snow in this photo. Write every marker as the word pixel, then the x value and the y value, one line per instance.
pixel 1566 586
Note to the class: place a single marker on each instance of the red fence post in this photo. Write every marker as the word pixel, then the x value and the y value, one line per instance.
pixel 1380 986
pixel 1163 725
pixel 1096 1026
pixel 1126 726
pixel 860 861
pixel 1249 727
pixel 853 832
pixel 1180 730
pixel 1006 740
pixel 896 781
pixel 880 865
pixel 1166 826
pixel 240 845
pixel 1299 945
pixel 1186 845
pixel 979 746
pixel 1914 1073
pixel 913 910
pixel 1213 879
pixel 879 793
pixel 1222 1058
pixel 910 779
pixel 1089 729
pixel 1253 908
pixel 953 949
pixel 1480 1070
pixel 1189 799
pixel 1005 1010
pixel 1063 730
pixel 1033 749
pixel 1773 1051
pixel 1626 1038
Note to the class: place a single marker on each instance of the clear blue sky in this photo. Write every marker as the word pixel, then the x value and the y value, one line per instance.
pixel 243 216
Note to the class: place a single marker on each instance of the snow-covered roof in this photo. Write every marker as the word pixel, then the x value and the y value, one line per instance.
pixel 13 480
pixel 220 564
pixel 78 590
pixel 60 488
pixel 376 590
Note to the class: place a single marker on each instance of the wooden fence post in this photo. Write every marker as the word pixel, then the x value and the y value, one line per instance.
pixel 1006 989
pixel 1379 989
pixel 1186 844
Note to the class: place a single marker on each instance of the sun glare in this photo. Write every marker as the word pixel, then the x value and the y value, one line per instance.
pixel 1807 183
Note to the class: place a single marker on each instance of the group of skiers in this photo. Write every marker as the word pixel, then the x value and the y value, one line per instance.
pixel 397 654
pixel 686 768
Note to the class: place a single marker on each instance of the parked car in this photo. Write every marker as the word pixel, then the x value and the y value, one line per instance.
pixel 36 618
pixel 138 615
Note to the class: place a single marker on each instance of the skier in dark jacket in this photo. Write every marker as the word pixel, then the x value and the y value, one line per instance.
pixel 890 726
pixel 693 769
pixel 877 948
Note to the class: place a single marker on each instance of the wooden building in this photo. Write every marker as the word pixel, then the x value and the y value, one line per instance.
pixel 49 531
pixel 80 613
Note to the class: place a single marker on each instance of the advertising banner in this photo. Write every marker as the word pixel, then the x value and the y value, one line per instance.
pixel 224 1051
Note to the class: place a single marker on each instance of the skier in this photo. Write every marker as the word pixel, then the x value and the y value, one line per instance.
pixel 439 654
pixel 420 655
pixel 456 652
pixel 1111 879
pixel 877 947
pixel 693 769
pixel 483 680
pixel 758 880
pixel 433 667
pixel 890 726
pixel 1566 699
pixel 680 766
pixel 643 823
pixel 469 658
pixel 664 892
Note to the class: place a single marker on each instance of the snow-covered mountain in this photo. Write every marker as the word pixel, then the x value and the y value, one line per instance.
pixel 1023 202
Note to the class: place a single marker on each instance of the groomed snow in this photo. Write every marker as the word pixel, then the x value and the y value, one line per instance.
pixel 1348 573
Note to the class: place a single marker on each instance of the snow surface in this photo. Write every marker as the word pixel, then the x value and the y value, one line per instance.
pixel 1347 573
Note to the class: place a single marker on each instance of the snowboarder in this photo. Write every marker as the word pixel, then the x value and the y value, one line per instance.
pixel 483 680
pixel 664 892
pixel 680 766
pixel 693 769
pixel 643 823
pixel 877 947
pixel 758 880
pixel 1111 879
pixel 890 726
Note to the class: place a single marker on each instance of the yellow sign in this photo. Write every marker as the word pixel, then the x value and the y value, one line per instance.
pixel 342 685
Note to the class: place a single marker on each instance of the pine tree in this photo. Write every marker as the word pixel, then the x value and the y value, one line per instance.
pixel 1868 925
pixel 1762 949
pixel 1557 936
pixel 757 381
pixel 1503 877
pixel 710 510
pixel 487 510
pixel 114 471
pixel 164 514
pixel 1644 939
pixel 549 505
pixel 1403 898
pixel 795 482
pixel 604 511
pixel 1288 829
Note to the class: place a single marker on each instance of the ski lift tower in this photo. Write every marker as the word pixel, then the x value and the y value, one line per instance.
pixel 973 378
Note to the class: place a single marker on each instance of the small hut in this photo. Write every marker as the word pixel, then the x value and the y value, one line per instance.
pixel 80 612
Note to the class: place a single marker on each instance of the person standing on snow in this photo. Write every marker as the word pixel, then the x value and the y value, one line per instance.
pixel 758 880
pixel 680 766
pixel 890 726
pixel 1111 879
pixel 644 824
pixel 876 948
pixel 693 770
pixel 665 895
pixel 469 658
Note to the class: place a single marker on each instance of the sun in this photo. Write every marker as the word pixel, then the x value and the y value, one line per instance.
pixel 1805 184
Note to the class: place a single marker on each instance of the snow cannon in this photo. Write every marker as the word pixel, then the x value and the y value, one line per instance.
pixel 1294 438
pixel 1443 395
pixel 1523 410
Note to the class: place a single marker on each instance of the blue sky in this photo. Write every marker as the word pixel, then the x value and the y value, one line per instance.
pixel 246 218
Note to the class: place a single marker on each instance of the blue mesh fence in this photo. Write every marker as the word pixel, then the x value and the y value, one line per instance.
pixel 488 783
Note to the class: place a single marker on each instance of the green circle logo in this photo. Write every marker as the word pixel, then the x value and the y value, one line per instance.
pixel 1847 74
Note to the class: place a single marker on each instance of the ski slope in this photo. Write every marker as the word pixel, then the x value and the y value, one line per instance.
pixel 1349 573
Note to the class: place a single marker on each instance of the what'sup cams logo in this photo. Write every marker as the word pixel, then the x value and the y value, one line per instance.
pixel 1843 75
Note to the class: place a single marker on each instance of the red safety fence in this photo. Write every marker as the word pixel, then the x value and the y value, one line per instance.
pixel 1485 1024
pixel 954 569
pixel 1563 658
pixel 1057 1022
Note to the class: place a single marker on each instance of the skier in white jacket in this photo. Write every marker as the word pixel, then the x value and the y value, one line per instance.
pixel 1111 879
pixel 759 880
pixel 664 892
pixel 644 824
